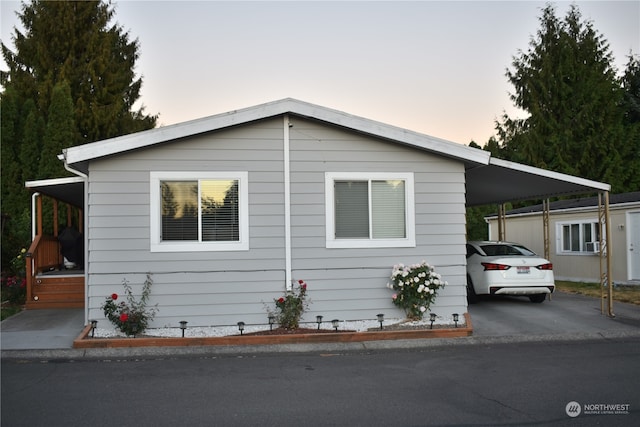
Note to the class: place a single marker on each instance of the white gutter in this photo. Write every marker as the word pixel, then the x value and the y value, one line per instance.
pixel 34 196
pixel 287 202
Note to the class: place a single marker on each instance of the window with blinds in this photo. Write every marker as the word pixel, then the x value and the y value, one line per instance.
pixel 199 211
pixel 369 210
pixel 202 211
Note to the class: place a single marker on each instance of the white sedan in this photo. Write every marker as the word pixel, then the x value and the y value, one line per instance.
pixel 503 268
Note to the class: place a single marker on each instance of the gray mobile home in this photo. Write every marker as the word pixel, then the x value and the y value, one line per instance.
pixel 313 194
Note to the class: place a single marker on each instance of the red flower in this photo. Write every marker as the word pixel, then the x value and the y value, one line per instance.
pixel 114 296
pixel 124 317
pixel 303 285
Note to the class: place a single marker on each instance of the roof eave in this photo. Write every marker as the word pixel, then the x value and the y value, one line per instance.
pixel 79 156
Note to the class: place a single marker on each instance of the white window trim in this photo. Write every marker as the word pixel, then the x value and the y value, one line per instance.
pixel 172 246
pixel 410 220
pixel 560 236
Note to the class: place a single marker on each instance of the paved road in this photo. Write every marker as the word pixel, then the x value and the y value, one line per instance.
pixel 529 383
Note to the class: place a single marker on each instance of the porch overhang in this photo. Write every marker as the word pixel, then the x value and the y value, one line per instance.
pixel 69 190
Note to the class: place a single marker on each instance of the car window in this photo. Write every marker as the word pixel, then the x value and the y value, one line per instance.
pixel 506 250
pixel 471 250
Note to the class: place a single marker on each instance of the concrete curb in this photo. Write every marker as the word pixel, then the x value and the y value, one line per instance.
pixel 124 353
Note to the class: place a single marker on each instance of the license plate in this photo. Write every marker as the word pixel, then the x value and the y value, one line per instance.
pixel 523 270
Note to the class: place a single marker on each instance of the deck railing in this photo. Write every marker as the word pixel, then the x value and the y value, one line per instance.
pixel 43 255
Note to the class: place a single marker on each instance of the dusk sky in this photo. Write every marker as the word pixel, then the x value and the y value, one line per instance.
pixel 433 67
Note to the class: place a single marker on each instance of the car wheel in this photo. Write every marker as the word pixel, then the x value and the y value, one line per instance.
pixel 472 298
pixel 538 298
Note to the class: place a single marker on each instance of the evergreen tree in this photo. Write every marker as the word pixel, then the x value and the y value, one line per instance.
pixel 631 106
pixel 567 84
pixel 70 81
pixel 60 131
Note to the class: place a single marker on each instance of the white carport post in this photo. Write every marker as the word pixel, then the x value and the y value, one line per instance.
pixel 604 224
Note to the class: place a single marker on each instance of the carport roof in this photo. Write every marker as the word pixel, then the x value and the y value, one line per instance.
pixel 488 180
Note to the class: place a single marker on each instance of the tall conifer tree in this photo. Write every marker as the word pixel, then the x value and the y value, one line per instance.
pixel 567 84
pixel 70 81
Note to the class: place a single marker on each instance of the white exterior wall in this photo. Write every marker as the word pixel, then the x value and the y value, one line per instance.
pixel 579 267
pixel 222 288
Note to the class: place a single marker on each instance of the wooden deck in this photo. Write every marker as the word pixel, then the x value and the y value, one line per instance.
pixel 57 289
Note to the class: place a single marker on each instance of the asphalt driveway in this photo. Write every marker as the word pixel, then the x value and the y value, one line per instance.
pixel 564 316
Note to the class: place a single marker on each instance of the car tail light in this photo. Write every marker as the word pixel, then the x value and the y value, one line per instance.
pixel 492 266
pixel 547 266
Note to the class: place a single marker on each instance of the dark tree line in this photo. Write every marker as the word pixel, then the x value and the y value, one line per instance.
pixel 583 118
pixel 70 81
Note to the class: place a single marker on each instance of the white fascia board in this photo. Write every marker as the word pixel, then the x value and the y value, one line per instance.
pixel 151 137
pixel 587 183
pixel 372 127
pixel 54 181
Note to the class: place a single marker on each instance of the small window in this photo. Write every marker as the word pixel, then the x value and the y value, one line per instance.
pixel 199 211
pixel 578 237
pixel 369 210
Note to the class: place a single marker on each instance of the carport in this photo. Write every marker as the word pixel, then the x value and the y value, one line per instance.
pixel 502 181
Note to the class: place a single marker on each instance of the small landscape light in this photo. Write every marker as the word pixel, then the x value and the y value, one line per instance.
pixel 134 328
pixel 335 323
pixel 94 325
pixel 272 320
pixel 381 319
pixel 432 318
pixel 319 321
pixel 455 319
pixel 183 326
pixel 241 327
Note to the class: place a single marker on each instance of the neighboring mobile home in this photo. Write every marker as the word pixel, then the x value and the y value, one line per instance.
pixel 574 236
pixel 226 211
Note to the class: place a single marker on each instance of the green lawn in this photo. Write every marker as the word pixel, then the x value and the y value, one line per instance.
pixel 629 294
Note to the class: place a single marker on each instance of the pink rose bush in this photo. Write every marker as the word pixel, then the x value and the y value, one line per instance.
pixel 416 288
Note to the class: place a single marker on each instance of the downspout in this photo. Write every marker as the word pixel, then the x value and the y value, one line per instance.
pixel 287 202
pixel 34 197
pixel 85 242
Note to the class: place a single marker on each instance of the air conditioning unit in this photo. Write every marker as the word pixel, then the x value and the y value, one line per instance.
pixel 593 247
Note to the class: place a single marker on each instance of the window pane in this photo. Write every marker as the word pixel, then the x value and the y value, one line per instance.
pixel 566 238
pixel 352 209
pixel 586 235
pixel 575 237
pixel 219 207
pixel 179 210
pixel 388 209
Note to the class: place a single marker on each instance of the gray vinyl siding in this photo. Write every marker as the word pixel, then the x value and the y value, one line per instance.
pixel 351 283
pixel 222 288
pixel 204 288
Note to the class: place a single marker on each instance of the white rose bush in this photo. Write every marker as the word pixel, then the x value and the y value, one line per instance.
pixel 416 287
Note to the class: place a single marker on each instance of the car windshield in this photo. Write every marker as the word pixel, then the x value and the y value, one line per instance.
pixel 506 250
